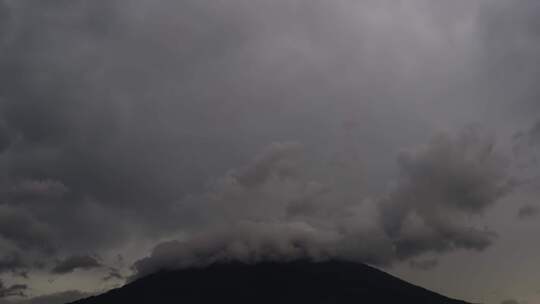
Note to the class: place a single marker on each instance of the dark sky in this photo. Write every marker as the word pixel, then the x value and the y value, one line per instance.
pixel 140 135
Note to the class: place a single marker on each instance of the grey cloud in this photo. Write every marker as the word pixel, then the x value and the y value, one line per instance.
pixel 11 263
pixel 425 264
pixel 108 147
pixel 41 188
pixel 441 239
pixel 58 298
pixel 114 114
pixel 75 262
pixel 24 231
pixel 28 190
pixel 451 176
pixel 534 134
pixel 510 35
pixel 274 161
pixel 55 298
pixel 5 137
pixel 528 138
pixel 248 242
pixel 120 117
pixel 528 212
pixel 526 147
pixel 253 222
pixel 252 242
pixel 248 192
pixel 465 169
pixel 113 274
pixel 17 290
pixel 24 274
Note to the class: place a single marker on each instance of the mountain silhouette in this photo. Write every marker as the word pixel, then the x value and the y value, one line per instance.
pixel 272 283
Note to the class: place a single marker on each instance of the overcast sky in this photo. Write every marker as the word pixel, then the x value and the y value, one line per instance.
pixel 140 135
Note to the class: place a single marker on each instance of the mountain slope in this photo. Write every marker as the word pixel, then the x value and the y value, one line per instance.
pixel 272 283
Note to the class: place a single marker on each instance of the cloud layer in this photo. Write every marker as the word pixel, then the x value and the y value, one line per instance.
pixel 259 129
pixel 295 216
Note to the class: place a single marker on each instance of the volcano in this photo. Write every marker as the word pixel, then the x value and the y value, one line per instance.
pixel 272 283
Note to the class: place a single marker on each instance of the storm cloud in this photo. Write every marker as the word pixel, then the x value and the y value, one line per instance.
pixel 56 298
pixel 75 262
pixel 424 264
pixel 260 129
pixel 528 212
pixel 17 290
pixel 451 176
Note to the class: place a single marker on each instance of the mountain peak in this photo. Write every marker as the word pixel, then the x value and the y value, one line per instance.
pixel 272 282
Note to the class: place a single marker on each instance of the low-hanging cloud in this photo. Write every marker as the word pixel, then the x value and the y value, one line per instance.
pixel 453 175
pixel 425 265
pixel 54 298
pixel 114 115
pixel 248 242
pixel 16 290
pixel 72 263
pixel 528 212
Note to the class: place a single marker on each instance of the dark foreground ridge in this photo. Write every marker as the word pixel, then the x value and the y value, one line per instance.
pixel 272 283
